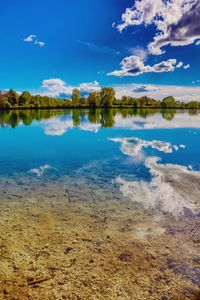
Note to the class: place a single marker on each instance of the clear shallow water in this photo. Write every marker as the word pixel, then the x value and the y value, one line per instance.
pixel 138 172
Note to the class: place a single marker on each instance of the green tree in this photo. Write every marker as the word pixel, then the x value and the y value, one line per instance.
pixel 169 102
pixel 193 105
pixel 94 99
pixel 24 99
pixel 107 97
pixel 125 100
pixel 4 103
pixel 76 97
pixel 12 97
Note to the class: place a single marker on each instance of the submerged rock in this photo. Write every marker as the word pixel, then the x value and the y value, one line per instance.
pixel 68 250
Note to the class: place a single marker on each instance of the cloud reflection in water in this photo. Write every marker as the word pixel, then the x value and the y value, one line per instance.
pixel 172 188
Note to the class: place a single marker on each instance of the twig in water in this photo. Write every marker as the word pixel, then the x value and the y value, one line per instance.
pixel 39 280
pixel 104 220
pixel 104 223
pixel 68 195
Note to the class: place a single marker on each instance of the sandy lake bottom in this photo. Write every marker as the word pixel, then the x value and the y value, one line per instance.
pixel 70 240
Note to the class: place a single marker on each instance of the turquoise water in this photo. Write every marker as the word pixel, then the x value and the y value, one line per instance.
pixel 148 159
pixel 66 146
pixel 107 145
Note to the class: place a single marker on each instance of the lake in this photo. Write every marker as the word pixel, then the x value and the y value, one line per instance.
pixel 100 204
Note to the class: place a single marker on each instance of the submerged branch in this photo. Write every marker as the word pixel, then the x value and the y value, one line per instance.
pixel 68 195
pixel 39 280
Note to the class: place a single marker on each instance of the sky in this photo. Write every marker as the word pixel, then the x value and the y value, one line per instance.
pixel 141 47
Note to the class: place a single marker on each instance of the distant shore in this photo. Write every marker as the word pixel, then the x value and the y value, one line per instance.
pixel 105 98
pixel 96 108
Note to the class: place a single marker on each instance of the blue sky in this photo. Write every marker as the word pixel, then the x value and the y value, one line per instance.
pixel 81 43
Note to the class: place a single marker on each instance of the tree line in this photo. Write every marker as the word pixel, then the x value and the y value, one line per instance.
pixel 105 98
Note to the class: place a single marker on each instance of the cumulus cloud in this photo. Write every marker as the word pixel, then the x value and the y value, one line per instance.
pixel 134 66
pixel 133 146
pixel 59 88
pixel 56 87
pixel 144 89
pixel 172 189
pixel 86 88
pixel 33 39
pixel 176 21
pixel 140 52
pixel 181 93
pixel 57 126
pixel 179 120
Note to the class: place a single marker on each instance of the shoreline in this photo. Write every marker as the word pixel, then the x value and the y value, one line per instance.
pixel 96 108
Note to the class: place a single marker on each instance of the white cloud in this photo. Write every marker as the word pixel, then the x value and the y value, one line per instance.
pixel 133 146
pixel 90 127
pixel 57 126
pixel 41 44
pixel 186 66
pixel 144 88
pixel 176 21
pixel 30 38
pixel 156 121
pixel 181 93
pixel 180 64
pixel 171 189
pixel 134 66
pixel 89 87
pixel 140 52
pixel 57 87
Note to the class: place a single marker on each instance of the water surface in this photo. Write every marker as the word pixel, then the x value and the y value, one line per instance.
pixel 99 204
